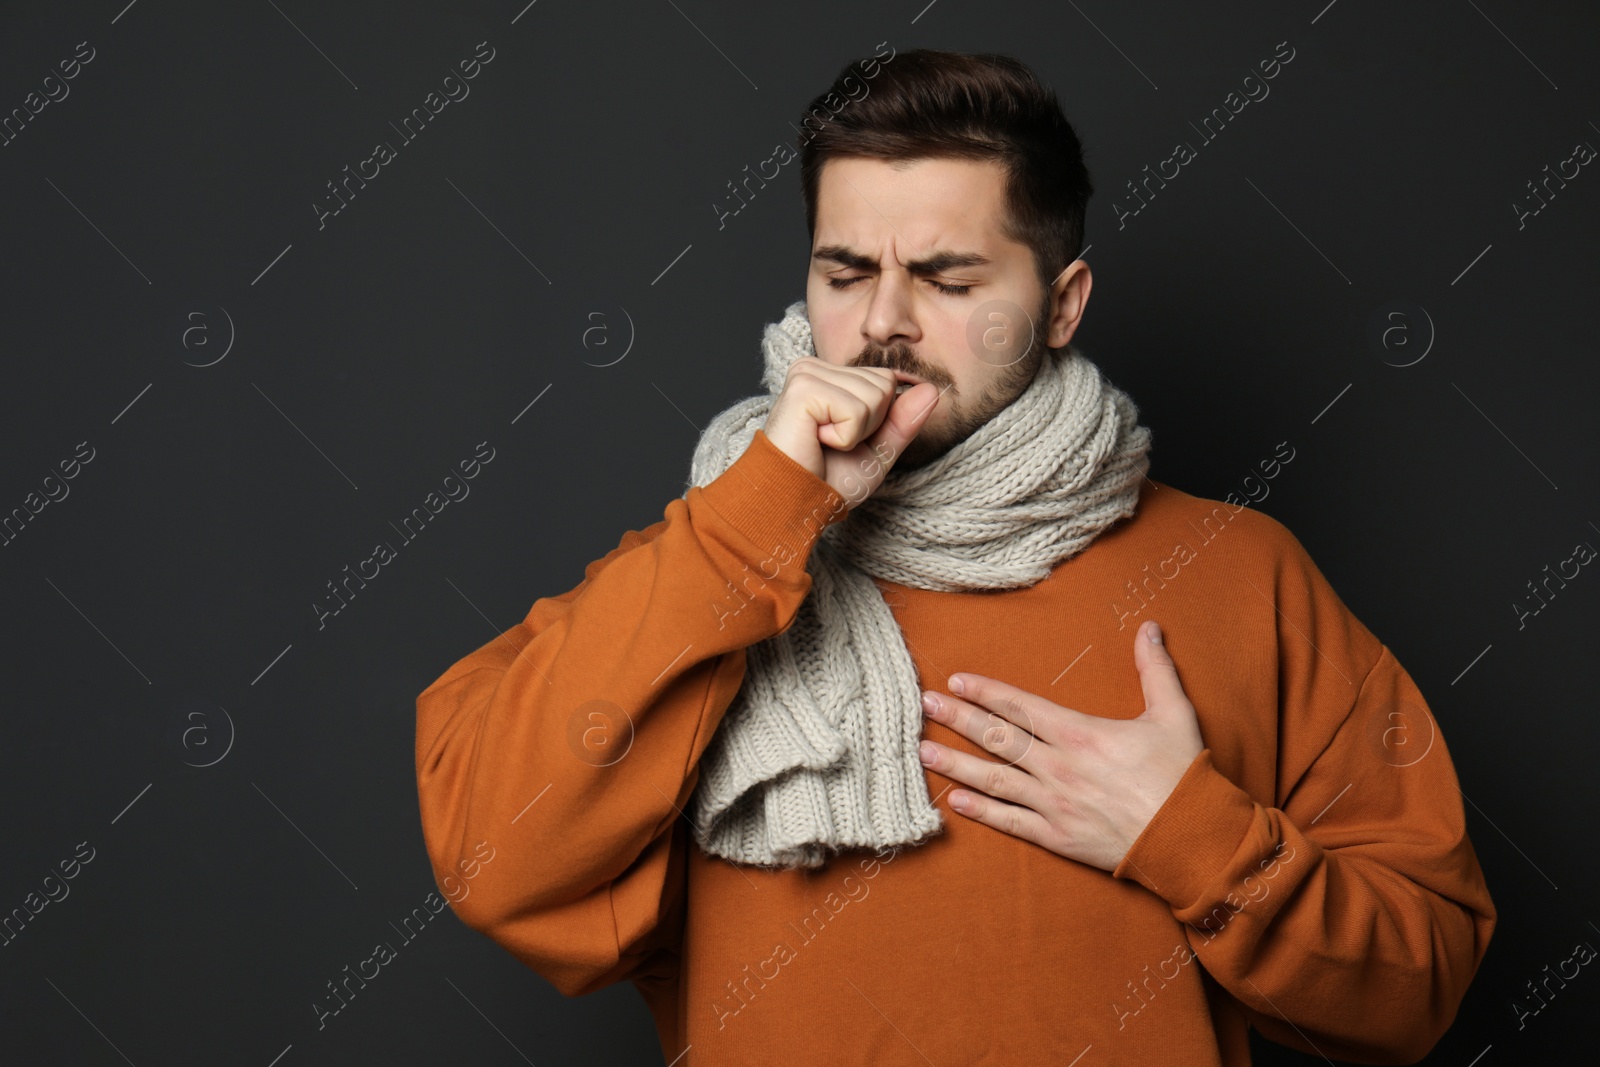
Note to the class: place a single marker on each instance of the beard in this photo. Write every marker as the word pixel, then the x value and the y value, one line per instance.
pixel 959 420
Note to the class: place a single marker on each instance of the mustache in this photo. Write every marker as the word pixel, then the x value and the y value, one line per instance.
pixel 900 358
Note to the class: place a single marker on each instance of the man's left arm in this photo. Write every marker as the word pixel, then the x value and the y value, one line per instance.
pixel 1349 916
pixel 1349 921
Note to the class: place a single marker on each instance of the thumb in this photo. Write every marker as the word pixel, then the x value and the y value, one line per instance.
pixel 1158 674
pixel 904 421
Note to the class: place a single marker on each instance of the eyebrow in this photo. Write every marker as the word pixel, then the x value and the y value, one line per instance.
pixel 936 263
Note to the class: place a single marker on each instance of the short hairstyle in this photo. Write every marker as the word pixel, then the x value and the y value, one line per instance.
pixel 925 103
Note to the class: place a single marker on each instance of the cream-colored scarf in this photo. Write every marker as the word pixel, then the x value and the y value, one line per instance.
pixel 818 751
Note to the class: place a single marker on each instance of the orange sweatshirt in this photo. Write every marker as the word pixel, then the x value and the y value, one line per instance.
pixel 1310 875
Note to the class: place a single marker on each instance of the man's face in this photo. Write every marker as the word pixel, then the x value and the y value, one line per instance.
pixel 910 272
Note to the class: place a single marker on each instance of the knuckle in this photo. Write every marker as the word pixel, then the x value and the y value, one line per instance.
pixel 1061 803
pixel 997 780
pixel 996 736
pixel 1080 741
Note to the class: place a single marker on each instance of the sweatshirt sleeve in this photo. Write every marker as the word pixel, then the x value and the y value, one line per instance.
pixel 565 750
pixel 1348 919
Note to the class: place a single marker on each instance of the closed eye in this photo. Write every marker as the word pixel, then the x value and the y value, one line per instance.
pixel 953 290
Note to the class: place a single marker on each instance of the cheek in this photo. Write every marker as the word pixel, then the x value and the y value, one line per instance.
pixel 830 335
pixel 829 348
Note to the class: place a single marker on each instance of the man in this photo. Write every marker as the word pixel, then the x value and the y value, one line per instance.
pixel 707 769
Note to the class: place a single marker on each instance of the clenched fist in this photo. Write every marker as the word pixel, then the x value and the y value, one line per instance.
pixel 847 425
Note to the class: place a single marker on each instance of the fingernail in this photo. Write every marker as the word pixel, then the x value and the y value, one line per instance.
pixel 930 703
pixel 926 752
pixel 1155 632
pixel 955 684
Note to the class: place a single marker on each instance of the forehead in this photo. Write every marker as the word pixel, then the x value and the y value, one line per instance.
pixel 917 204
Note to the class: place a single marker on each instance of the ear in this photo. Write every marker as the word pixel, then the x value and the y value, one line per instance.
pixel 1064 303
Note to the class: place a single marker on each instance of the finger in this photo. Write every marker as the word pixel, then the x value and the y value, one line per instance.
pixel 842 414
pixel 1043 718
pixel 1003 735
pixel 872 384
pixel 1158 674
pixel 896 418
pixel 1013 819
pixel 996 779
pixel 905 420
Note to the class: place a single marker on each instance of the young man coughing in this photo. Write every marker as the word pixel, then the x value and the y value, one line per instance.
pixel 871 750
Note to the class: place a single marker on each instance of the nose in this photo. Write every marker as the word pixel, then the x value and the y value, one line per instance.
pixel 889 317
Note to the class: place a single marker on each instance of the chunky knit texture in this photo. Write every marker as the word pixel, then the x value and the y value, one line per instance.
pixel 818 752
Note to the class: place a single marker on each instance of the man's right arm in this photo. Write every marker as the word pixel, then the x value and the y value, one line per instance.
pixel 570 743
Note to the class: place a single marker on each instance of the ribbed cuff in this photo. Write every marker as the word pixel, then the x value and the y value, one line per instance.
pixel 1193 838
pixel 774 502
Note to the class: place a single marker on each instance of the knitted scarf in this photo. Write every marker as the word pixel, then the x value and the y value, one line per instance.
pixel 818 751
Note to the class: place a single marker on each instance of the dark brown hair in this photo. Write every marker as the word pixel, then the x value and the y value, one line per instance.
pixel 927 104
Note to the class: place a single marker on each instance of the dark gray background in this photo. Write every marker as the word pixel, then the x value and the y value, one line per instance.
pixel 163 609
